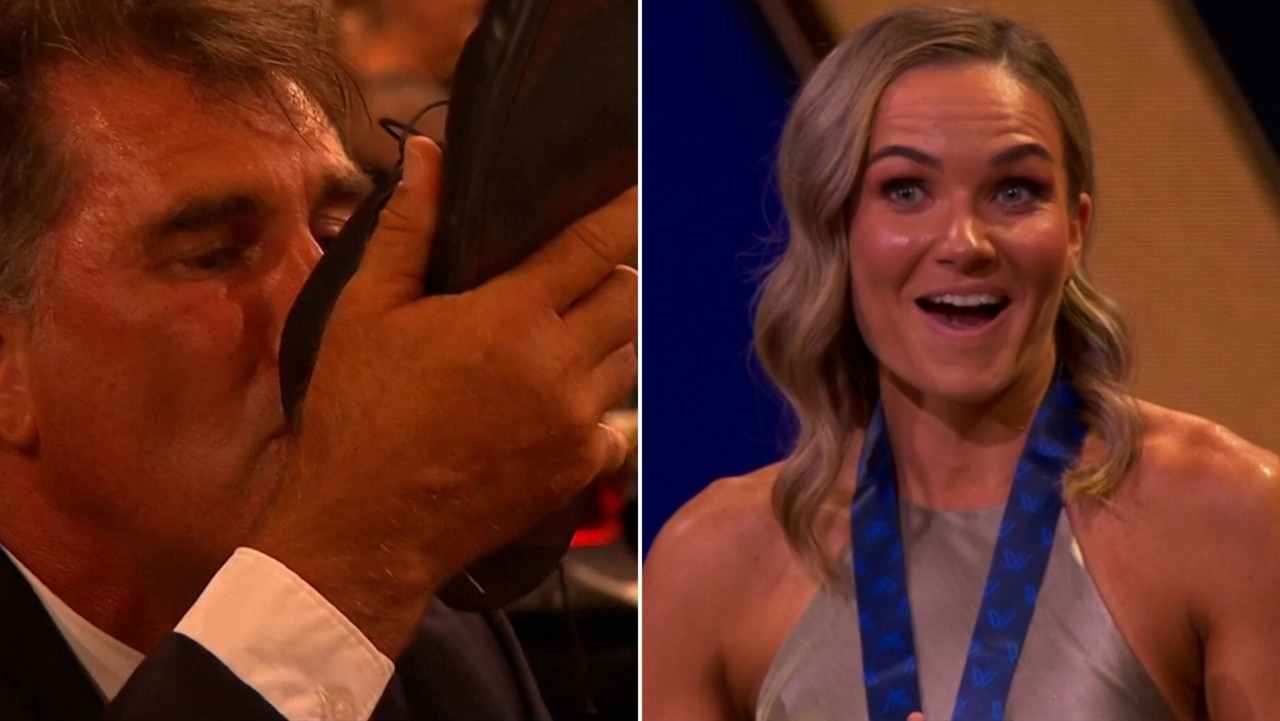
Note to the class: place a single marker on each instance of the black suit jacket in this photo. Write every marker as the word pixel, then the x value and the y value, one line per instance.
pixel 461 666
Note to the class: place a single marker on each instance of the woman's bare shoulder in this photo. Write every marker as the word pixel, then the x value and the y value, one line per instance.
pixel 1202 460
pixel 729 527
pixel 1206 486
pixel 714 573
pixel 1211 523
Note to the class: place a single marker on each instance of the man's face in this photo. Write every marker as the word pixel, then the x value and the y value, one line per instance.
pixel 152 358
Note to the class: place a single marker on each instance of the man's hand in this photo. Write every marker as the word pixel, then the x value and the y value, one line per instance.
pixel 438 429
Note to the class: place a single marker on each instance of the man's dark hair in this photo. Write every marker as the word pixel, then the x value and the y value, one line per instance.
pixel 231 47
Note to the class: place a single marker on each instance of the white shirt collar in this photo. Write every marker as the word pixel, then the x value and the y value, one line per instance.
pixel 108 661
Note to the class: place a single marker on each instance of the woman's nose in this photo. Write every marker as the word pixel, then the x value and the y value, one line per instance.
pixel 965 242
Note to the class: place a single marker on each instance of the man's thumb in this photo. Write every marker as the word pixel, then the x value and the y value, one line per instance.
pixel 395 261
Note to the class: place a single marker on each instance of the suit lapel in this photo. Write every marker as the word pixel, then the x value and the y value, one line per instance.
pixel 393 706
pixel 35 659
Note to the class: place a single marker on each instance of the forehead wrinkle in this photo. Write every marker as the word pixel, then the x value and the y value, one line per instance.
pixel 131 133
pixel 939 103
pixel 155 95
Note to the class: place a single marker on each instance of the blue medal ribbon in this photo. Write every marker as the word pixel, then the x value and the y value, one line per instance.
pixel 1017 567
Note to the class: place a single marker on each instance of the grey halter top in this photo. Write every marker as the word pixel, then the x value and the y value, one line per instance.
pixel 1074 665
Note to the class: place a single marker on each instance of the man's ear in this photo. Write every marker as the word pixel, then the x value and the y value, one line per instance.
pixel 17 409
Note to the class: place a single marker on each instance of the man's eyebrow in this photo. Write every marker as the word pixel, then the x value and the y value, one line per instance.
pixel 1018 152
pixel 346 184
pixel 904 151
pixel 201 212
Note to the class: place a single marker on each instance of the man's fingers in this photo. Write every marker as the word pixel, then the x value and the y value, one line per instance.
pixel 395 261
pixel 608 316
pixel 614 377
pixel 612 447
pixel 581 257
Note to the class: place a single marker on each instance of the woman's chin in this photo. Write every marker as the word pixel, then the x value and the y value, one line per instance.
pixel 980 386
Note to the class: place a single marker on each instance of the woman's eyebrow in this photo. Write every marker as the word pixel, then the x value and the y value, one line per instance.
pixel 1020 151
pixel 1004 157
pixel 904 151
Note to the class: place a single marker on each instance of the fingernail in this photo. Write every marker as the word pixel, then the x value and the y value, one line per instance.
pixel 411 175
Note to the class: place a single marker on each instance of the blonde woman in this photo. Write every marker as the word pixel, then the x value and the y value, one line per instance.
pixel 976 520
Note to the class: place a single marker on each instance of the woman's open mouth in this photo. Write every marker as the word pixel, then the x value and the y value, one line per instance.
pixel 963 312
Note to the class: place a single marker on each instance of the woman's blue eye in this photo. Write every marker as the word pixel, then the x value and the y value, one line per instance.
pixel 1019 191
pixel 903 192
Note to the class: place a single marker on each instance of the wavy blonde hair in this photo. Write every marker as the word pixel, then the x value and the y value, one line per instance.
pixel 805 332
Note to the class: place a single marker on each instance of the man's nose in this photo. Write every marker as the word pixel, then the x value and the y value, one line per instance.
pixel 300 258
pixel 965 242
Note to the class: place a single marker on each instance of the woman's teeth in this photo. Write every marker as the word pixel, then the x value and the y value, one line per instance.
pixel 965 301
pixel 963 311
